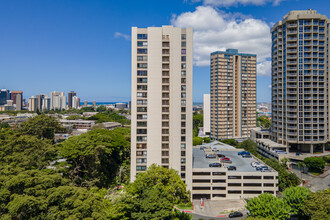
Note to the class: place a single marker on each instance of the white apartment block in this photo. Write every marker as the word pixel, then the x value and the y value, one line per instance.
pixel 206 114
pixel 57 100
pixel 162 66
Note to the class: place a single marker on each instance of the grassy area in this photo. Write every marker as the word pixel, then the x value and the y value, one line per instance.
pixel 315 173
pixel 184 207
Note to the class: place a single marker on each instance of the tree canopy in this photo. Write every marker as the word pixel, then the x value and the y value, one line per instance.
pixel 263 121
pixel 268 206
pixel 315 163
pixel 152 195
pixel 96 157
pixel 317 206
pixel 41 126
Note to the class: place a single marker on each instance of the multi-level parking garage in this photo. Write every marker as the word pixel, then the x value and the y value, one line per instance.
pixel 220 183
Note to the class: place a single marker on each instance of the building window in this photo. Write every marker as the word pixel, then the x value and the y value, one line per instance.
pixel 142 43
pixel 142 73
pixel 183 66
pixel 142 65
pixel 142 51
pixel 183 58
pixel 141 168
pixel 183 43
pixel 141 138
pixel 142 58
pixel 141 160
pixel 183 146
pixel 142 36
pixel 183 37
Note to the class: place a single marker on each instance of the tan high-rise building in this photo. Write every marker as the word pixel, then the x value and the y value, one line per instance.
pixel 33 104
pixel 300 81
pixel 233 94
pixel 162 66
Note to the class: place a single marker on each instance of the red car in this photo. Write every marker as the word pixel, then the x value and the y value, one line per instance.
pixel 225 158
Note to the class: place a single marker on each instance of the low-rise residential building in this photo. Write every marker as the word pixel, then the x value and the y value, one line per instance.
pixel 77 124
pixel 222 183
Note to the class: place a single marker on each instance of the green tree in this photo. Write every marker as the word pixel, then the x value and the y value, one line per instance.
pixel 96 156
pixel 24 151
pixel 295 197
pixel 249 146
pixel 315 163
pixel 74 117
pixel 153 194
pixel 206 140
pixel 197 122
pixel 42 126
pixel 231 142
pixel 197 141
pixel 268 206
pixel 317 205
pixel 35 194
pixel 263 121
pixel 101 108
pixel 4 125
pixel 109 116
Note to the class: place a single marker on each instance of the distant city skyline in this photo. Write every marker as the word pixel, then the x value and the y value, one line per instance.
pixel 86 51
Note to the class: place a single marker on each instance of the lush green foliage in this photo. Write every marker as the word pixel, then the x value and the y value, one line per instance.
pixel 263 121
pixel 24 151
pixel 197 141
pixel 197 122
pixel 35 194
pixel 152 195
pixel 109 116
pixel 101 108
pixel 315 163
pixel 206 140
pixel 295 197
pixel 231 142
pixel 74 117
pixel 4 125
pixel 268 206
pixel 41 126
pixel 318 205
pixel 95 157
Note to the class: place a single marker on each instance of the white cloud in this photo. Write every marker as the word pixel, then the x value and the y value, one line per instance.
pixel 227 3
pixel 216 30
pixel 264 68
pixel 125 36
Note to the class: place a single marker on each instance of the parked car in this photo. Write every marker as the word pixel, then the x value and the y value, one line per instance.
pixel 202 147
pixel 235 214
pixel 246 156
pixel 221 155
pixel 210 156
pixel 215 165
pixel 226 161
pixel 243 153
pixel 215 150
pixel 262 168
pixel 225 158
pixel 231 168
pixel 255 164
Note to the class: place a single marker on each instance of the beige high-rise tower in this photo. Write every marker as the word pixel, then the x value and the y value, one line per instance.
pixel 162 65
pixel 233 94
pixel 300 81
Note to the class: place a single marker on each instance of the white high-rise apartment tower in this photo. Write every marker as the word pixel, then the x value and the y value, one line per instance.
pixel 162 65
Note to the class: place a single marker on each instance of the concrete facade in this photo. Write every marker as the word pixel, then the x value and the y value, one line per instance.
pixel 299 82
pixel 162 65
pixel 233 94
pixel 218 183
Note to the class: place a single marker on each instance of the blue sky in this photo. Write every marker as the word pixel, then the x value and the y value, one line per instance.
pixel 84 45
